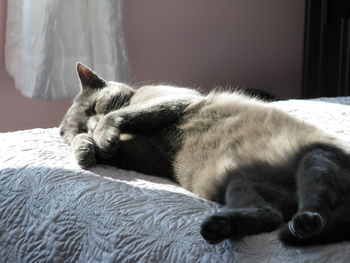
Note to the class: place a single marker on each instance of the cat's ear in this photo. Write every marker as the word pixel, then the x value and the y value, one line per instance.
pixel 88 78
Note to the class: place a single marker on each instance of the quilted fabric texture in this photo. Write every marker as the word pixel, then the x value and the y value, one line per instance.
pixel 53 211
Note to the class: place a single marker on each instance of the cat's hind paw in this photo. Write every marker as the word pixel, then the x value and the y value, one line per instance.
pixel 302 229
pixel 216 228
pixel 306 224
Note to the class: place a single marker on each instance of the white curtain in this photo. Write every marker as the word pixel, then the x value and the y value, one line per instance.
pixel 45 39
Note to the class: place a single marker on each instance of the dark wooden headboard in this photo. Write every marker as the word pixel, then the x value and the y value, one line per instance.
pixel 326 65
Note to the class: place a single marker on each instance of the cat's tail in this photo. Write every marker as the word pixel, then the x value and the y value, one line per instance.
pixel 337 230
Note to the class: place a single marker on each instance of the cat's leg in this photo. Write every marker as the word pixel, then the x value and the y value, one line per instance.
pixel 247 213
pixel 84 150
pixel 136 118
pixel 322 180
pixel 141 154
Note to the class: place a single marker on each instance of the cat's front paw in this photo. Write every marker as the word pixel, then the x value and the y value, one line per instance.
pixel 106 137
pixel 306 224
pixel 84 150
pixel 216 228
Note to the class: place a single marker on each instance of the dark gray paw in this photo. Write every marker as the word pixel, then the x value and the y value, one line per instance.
pixel 84 150
pixel 216 228
pixel 107 144
pixel 306 224
pixel 106 137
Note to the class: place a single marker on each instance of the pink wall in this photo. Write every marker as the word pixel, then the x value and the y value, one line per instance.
pixel 257 43
pixel 199 43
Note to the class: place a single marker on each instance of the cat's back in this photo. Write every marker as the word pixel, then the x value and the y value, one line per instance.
pixel 162 93
pixel 235 114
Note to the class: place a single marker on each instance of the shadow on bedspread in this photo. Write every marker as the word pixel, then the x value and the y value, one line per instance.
pixel 60 215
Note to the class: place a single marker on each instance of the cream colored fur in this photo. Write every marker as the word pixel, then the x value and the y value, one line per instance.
pixel 229 130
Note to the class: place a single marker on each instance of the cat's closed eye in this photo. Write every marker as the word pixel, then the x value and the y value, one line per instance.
pixel 90 111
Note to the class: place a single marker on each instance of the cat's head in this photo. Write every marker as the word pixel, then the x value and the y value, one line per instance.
pixel 97 97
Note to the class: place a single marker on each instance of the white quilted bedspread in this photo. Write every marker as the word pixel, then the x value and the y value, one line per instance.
pixel 53 211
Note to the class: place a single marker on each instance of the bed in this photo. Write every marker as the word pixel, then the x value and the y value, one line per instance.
pixel 51 210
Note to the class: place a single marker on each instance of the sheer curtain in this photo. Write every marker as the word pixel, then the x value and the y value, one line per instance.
pixel 45 39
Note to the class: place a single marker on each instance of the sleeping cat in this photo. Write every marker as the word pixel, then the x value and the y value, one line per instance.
pixel 265 166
